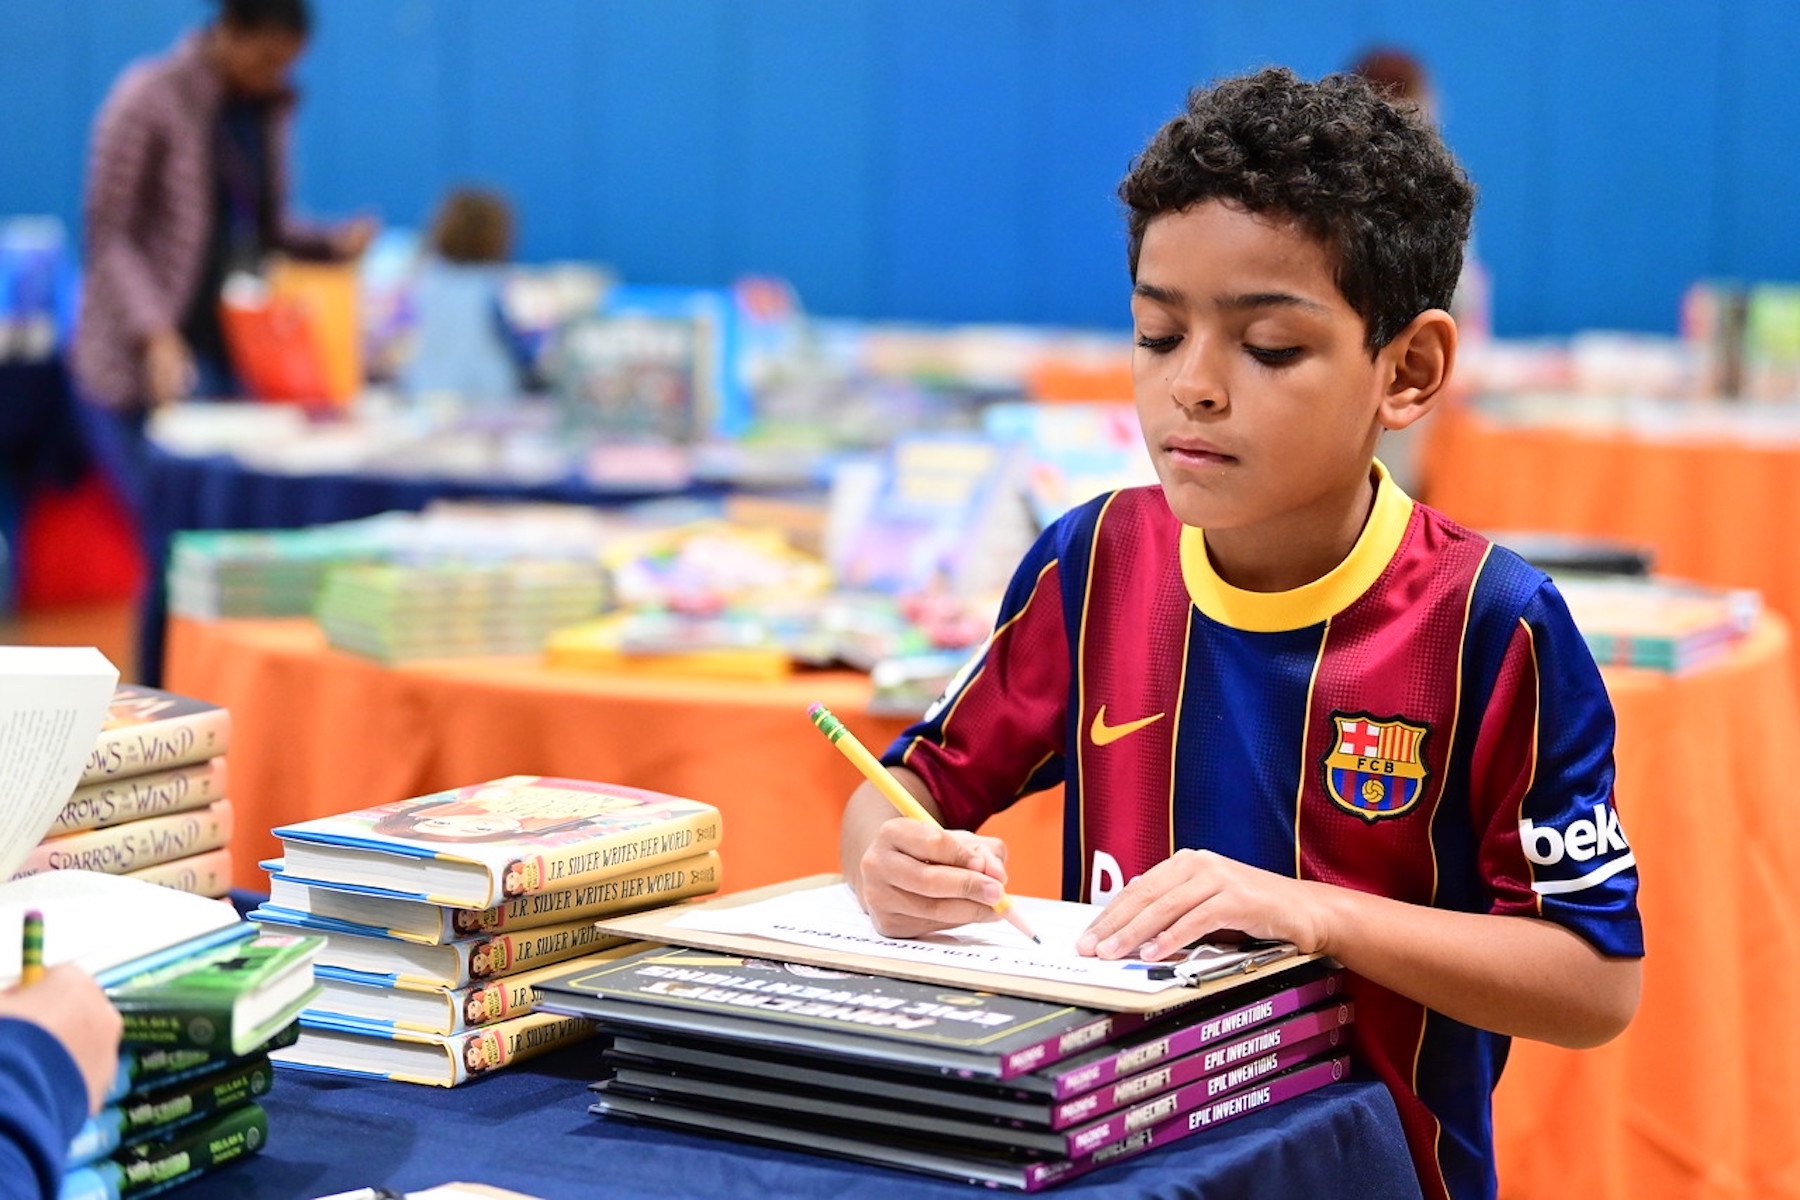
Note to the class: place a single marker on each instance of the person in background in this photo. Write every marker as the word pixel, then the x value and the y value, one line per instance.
pixel 59 1053
pixel 460 346
pixel 1400 78
pixel 187 183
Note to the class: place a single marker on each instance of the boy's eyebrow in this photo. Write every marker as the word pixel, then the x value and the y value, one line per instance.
pixel 1177 299
pixel 1270 300
pixel 1161 295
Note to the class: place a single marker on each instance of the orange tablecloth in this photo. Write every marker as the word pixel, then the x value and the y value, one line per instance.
pixel 315 732
pixel 1699 1099
pixel 1720 510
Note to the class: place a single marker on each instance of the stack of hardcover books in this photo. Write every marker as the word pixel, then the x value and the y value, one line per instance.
pixel 396 613
pixel 992 1089
pixel 264 573
pixel 198 1032
pixel 1663 624
pixel 441 913
pixel 151 802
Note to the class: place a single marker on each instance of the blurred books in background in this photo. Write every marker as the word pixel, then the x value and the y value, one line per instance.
pixel 1661 624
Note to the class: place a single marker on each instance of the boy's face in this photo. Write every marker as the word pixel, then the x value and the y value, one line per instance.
pixel 1258 401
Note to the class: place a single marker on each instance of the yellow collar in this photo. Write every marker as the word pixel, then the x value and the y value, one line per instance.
pixel 1311 603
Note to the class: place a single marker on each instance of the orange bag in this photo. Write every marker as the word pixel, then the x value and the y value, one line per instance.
pixel 295 337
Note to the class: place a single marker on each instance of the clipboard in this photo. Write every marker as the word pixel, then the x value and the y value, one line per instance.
pixel 654 925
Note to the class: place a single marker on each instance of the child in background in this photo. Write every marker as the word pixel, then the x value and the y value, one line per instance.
pixel 1284 700
pixel 461 348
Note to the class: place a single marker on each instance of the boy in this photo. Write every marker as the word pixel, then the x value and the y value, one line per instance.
pixel 1284 700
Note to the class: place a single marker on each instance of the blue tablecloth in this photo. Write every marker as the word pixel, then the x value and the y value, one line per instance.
pixel 529 1129
pixel 218 492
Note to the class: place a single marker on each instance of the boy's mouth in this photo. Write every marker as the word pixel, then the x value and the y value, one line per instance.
pixel 1193 452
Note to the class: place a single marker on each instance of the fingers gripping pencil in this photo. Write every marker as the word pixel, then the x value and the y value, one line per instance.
pixel 896 793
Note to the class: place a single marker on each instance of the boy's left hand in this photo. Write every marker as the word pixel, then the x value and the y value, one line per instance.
pixel 1198 892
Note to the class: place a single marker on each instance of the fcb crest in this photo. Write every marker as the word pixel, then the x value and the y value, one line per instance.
pixel 1375 768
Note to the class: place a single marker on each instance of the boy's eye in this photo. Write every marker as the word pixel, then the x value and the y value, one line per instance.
pixel 1273 356
pixel 1158 344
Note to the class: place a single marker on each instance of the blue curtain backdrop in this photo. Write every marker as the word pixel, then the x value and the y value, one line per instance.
pixel 955 159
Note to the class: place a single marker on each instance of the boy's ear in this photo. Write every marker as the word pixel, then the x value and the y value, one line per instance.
pixel 1416 366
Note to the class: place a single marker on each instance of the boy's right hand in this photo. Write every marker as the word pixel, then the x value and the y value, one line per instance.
pixel 70 1005
pixel 915 878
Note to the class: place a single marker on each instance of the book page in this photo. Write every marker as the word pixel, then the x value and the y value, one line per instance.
pixel 99 921
pixel 830 917
pixel 52 703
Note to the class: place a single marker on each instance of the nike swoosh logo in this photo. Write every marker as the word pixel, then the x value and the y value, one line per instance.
pixel 1105 735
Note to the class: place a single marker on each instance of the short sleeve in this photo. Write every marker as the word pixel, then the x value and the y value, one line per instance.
pixel 1551 841
pixel 997 732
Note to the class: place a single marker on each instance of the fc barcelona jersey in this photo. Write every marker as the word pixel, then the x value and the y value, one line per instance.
pixel 1424 722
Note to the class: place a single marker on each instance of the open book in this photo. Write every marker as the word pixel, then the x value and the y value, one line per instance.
pixel 53 701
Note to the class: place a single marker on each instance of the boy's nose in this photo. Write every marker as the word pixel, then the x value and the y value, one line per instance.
pixel 1195 386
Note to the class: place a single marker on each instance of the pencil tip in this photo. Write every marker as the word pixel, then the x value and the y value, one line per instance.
pixel 1037 939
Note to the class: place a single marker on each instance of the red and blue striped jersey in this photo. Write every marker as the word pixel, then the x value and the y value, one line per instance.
pixel 1424 722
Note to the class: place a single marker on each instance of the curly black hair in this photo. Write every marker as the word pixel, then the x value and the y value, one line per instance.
pixel 1371 181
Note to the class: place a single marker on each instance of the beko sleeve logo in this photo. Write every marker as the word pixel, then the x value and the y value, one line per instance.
pixel 1584 841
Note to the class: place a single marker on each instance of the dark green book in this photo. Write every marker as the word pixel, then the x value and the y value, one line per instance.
pixel 155 1166
pixel 150 1068
pixel 226 1000
pixel 157 1114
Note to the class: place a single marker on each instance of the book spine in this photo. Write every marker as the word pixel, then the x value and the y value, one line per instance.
pixel 151 1167
pixel 659 884
pixel 205 874
pixel 513 996
pixel 509 953
pixel 158 745
pixel 1199 1064
pixel 599 858
pixel 98 1137
pixel 1193 1037
pixel 1057 1047
pixel 134 797
pixel 135 844
pixel 160 1067
pixel 1176 1101
pixel 1283 1087
pixel 161 1113
pixel 483 1051
pixel 153 1112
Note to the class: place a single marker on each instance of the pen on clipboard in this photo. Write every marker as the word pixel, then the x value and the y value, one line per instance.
pixel 1192 971
pixel 897 795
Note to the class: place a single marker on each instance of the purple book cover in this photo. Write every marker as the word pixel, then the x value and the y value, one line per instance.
pixel 1115 1062
pixel 1280 1035
pixel 1272 1090
pixel 1180 1100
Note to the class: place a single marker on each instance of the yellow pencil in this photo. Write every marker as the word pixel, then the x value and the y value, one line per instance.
pixel 896 793
pixel 31 949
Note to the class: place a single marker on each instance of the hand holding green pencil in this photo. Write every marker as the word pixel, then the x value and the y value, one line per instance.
pixel 896 794
pixel 67 1003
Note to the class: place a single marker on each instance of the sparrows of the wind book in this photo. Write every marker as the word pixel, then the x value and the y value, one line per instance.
pixel 151 802
pixel 440 913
